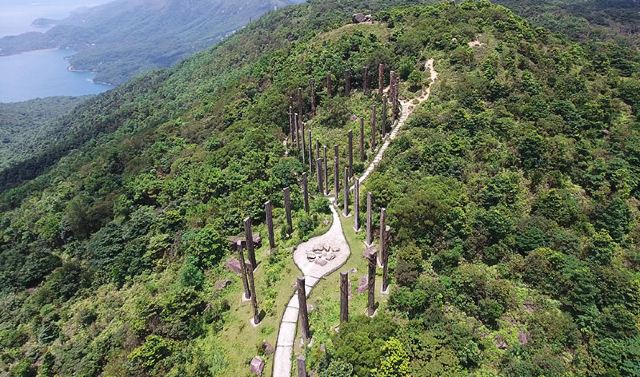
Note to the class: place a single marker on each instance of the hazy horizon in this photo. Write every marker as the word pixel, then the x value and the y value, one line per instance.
pixel 16 17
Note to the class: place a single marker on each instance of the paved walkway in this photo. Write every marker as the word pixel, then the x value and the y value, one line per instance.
pixel 312 272
pixel 334 238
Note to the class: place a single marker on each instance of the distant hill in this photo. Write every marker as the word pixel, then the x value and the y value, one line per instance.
pixel 123 38
pixel 584 20
pixel 30 126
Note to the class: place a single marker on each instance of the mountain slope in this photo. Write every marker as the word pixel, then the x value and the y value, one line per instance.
pixel 28 127
pixel 590 20
pixel 121 39
pixel 511 194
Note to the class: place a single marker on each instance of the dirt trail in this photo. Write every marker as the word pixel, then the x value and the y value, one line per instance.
pixel 407 108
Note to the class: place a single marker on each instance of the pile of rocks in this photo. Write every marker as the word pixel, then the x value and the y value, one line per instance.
pixel 322 255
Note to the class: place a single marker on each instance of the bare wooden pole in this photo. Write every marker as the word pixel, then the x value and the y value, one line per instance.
pixel 380 79
pixel 336 179
pixel 371 285
pixel 346 192
pixel 268 210
pixel 383 227
pixel 296 126
pixel 385 117
pixel 310 159
pixel 302 367
pixel 326 170
pixel 300 103
pixel 304 144
pixel 320 176
pixel 254 300
pixel 304 314
pixel 305 191
pixel 365 80
pixel 385 261
pixel 245 280
pixel 248 232
pixel 374 127
pixel 291 127
pixel 350 151
pixel 369 219
pixel 344 297
pixel 356 205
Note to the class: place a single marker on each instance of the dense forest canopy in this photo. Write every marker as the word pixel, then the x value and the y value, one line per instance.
pixel 512 197
pixel 28 127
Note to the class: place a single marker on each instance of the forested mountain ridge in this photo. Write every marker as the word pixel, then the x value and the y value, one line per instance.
pixel 124 38
pixel 512 197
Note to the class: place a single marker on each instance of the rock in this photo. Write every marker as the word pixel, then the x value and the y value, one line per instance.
pixel 268 348
pixel 369 250
pixel 257 366
pixel 222 284
pixel 358 18
pixel 234 266
pixel 363 284
pixel 500 342
pixel 321 262
pixel 523 337
pixel 240 239
pixel 330 257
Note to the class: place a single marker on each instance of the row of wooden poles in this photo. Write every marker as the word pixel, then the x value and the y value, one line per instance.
pixel 297 137
pixel 381 254
pixel 301 137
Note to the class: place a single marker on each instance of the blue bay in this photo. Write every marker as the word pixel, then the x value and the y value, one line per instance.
pixel 43 73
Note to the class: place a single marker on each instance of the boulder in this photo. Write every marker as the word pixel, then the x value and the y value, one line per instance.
pixel 369 250
pixel 523 337
pixel 321 262
pixel 234 265
pixel 257 366
pixel 358 18
pixel 268 348
pixel 240 239
pixel 500 342
pixel 363 284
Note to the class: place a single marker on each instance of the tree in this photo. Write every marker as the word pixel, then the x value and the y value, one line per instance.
pixel 205 245
pixel 395 360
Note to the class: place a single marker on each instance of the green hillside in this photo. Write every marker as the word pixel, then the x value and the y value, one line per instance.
pixel 28 127
pixel 587 20
pixel 511 194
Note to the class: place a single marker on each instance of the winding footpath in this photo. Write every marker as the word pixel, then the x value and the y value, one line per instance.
pixel 407 108
pixel 334 238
